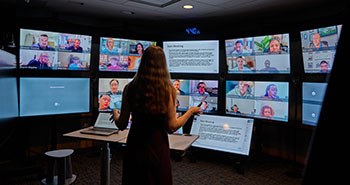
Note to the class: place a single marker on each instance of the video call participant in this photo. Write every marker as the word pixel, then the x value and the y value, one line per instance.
pixel 109 48
pixel 275 45
pixel 104 101
pixel 271 92
pixel 147 156
pixel 115 94
pixel 242 89
pixel 316 42
pixel 235 109
pixel 113 64
pixel 43 43
pixel 75 63
pixel 268 68
pixel 76 46
pixel 324 66
pixel 267 111
pixel 42 63
pixel 176 84
pixel 139 50
pixel 239 48
pixel 240 65
pixel 201 89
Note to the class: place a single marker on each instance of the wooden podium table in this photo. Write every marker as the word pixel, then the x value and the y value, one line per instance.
pixel 176 142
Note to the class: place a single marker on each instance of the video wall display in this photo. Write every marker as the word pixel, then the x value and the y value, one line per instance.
pixel 223 133
pixel 194 92
pixel 7 60
pixel 46 50
pixel 261 54
pixel 51 96
pixel 121 54
pixel 319 48
pixel 110 91
pixel 8 98
pixel 192 56
pixel 258 99
pixel 313 94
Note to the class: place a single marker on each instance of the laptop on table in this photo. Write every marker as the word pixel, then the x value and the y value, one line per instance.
pixel 103 126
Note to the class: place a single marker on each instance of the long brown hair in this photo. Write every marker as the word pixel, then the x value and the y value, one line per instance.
pixel 151 85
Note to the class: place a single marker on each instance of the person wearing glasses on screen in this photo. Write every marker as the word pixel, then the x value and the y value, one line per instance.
pixel 43 62
pixel 242 89
pixel 43 43
pixel 240 65
pixel 104 101
pixel 201 89
pixel 114 64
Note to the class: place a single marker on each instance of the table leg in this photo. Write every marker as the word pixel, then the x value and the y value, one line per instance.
pixel 105 164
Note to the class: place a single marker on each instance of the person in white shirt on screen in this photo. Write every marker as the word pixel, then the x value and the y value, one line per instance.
pixel 240 65
pixel 239 48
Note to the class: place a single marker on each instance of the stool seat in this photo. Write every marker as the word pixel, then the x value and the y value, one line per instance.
pixel 59 153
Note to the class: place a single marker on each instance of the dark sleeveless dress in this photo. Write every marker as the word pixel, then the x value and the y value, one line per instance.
pixel 147 157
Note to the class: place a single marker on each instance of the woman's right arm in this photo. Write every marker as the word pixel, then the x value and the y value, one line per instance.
pixel 175 123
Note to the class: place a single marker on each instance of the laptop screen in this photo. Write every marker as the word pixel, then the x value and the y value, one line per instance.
pixel 103 121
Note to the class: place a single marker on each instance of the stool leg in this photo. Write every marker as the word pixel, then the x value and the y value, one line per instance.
pixel 68 167
pixel 62 171
pixel 50 171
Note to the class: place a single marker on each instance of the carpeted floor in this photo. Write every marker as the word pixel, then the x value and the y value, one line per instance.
pixel 203 167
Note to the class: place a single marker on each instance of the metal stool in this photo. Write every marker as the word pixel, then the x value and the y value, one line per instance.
pixel 64 167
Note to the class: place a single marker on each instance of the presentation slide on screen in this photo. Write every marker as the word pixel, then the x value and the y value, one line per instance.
pixel 222 133
pixel 192 56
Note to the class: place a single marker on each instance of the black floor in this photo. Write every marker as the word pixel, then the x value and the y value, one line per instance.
pixel 203 167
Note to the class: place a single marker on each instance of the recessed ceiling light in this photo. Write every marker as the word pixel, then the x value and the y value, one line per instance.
pixel 188 6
